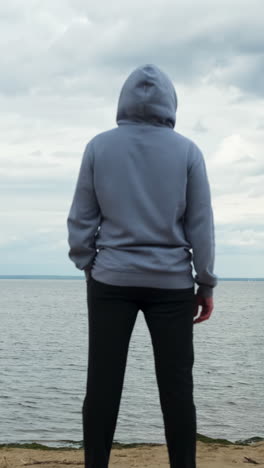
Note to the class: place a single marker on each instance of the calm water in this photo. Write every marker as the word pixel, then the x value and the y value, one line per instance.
pixel 44 355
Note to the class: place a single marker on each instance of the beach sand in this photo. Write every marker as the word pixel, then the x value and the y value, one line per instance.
pixel 209 455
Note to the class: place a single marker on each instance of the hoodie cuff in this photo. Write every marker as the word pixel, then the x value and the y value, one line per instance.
pixel 205 291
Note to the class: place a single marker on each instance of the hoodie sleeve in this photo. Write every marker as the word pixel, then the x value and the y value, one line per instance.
pixel 84 216
pixel 199 223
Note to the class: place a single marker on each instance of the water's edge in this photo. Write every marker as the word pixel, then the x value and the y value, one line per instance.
pixel 77 445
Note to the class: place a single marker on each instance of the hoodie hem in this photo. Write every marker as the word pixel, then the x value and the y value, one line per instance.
pixel 152 280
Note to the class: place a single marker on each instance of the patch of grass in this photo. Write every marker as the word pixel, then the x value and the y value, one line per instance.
pixel 210 440
pixel 35 446
pixel 249 441
pixel 120 446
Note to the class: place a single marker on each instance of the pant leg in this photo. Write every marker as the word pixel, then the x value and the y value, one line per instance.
pixel 111 318
pixel 169 317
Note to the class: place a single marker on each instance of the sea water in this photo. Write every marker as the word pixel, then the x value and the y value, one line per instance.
pixel 44 356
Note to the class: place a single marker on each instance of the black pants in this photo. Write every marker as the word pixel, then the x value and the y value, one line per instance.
pixel 112 312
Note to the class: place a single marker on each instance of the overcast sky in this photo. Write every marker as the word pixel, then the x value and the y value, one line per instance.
pixel 63 63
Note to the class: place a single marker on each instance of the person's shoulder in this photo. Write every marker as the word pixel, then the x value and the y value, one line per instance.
pixel 94 142
pixel 193 151
pixel 190 144
pixel 105 134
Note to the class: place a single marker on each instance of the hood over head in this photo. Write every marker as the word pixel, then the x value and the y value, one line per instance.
pixel 148 95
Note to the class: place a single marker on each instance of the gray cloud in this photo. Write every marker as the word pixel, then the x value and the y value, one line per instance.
pixel 63 64
pixel 71 48
pixel 199 127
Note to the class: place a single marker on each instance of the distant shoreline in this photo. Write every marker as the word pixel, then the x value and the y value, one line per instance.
pixel 68 277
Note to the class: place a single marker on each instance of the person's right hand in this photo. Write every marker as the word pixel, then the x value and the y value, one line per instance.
pixel 207 304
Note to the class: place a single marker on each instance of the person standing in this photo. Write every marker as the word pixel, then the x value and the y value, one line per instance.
pixel 140 219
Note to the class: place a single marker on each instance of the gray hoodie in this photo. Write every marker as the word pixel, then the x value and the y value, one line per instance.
pixel 141 213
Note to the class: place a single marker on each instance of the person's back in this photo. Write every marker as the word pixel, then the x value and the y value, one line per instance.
pixel 145 187
pixel 142 202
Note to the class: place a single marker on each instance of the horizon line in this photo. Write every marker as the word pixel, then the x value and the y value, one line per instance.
pixel 83 276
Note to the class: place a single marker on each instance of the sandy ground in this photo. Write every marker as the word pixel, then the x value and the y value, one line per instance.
pixel 211 455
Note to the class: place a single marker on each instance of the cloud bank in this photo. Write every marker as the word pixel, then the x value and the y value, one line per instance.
pixel 63 64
